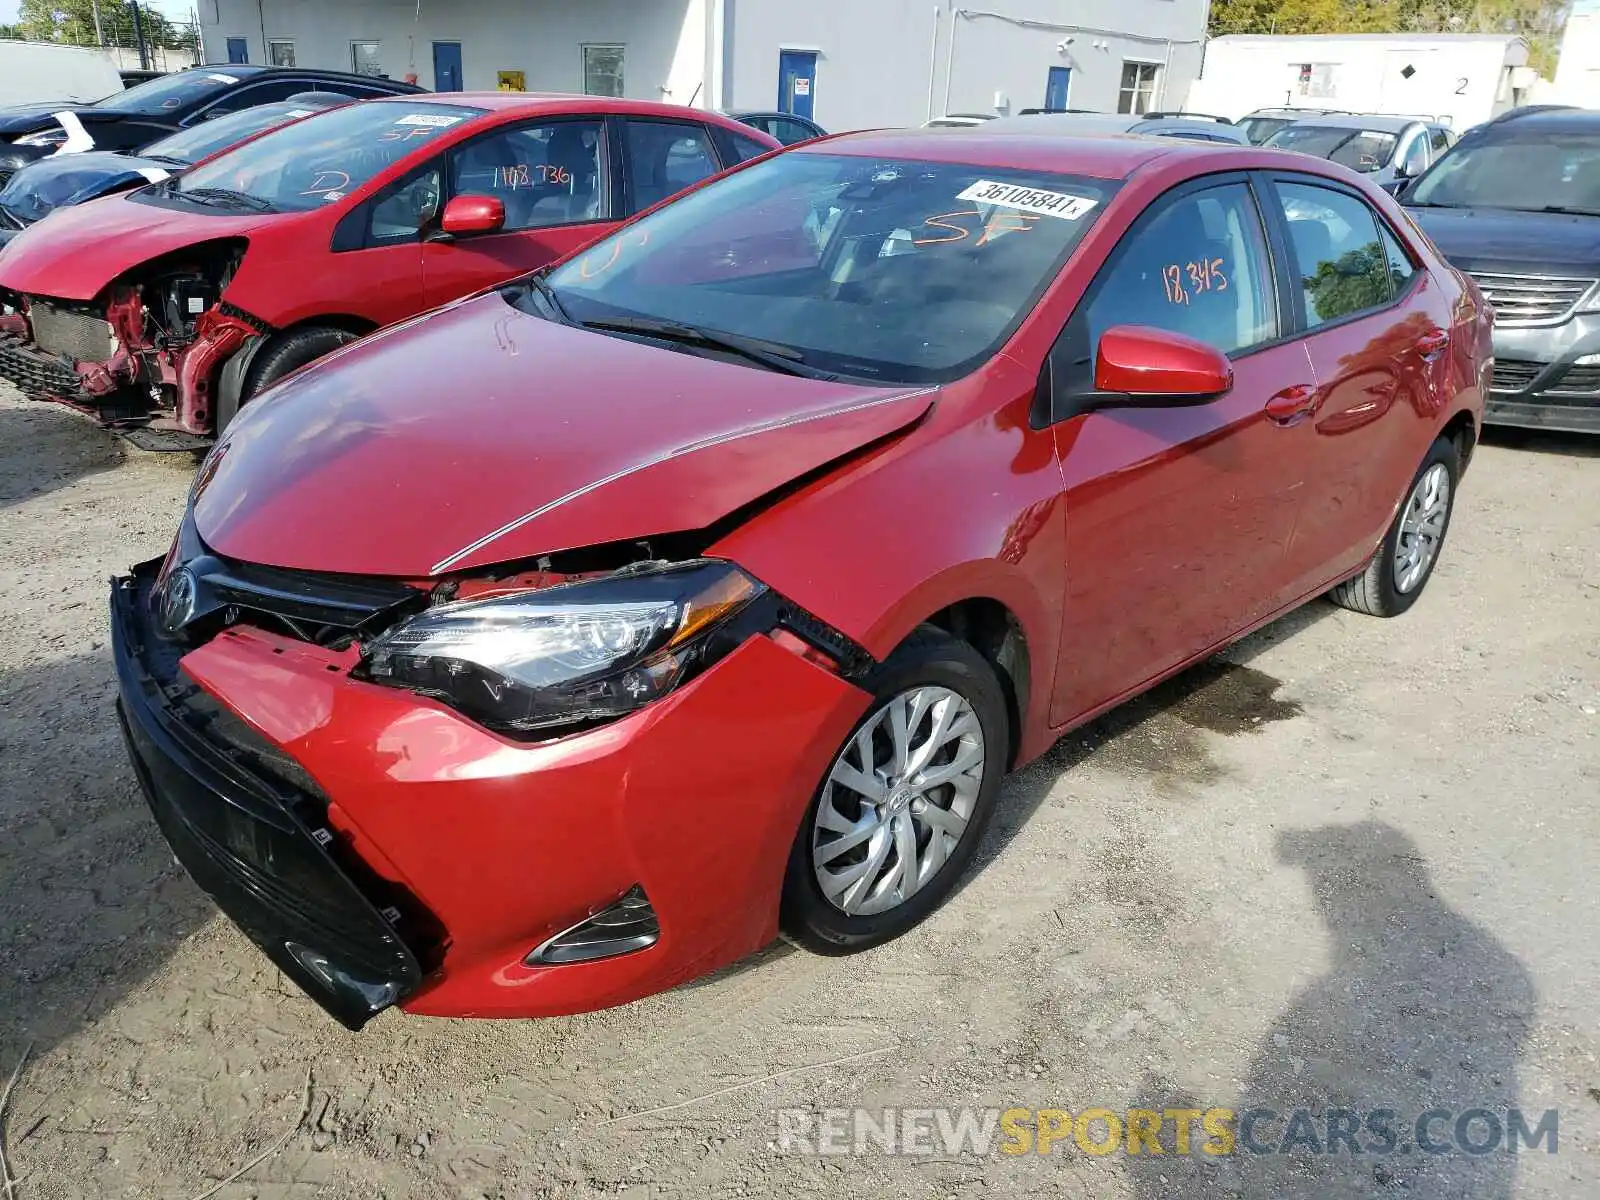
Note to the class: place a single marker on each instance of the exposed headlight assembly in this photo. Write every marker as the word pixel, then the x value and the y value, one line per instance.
pixel 566 655
pixel 45 137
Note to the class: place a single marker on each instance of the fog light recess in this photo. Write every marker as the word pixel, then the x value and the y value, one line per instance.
pixel 628 925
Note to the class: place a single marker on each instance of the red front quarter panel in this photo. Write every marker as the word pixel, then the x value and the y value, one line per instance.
pixel 966 506
pixel 508 843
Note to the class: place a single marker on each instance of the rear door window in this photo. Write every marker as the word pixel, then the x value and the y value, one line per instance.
pixel 664 157
pixel 1340 258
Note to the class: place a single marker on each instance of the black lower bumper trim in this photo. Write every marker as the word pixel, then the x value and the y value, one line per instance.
pixel 249 839
pixel 1533 412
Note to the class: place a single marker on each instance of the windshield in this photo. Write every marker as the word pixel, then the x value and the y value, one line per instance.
pixel 892 270
pixel 169 92
pixel 1560 172
pixel 326 157
pixel 204 140
pixel 1363 150
pixel 1259 129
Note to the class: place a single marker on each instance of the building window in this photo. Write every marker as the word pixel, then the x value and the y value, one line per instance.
pixel 280 53
pixel 364 58
pixel 602 70
pixel 1316 79
pixel 1138 92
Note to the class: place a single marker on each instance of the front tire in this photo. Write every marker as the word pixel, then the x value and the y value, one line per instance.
pixel 286 353
pixel 896 820
pixel 1402 565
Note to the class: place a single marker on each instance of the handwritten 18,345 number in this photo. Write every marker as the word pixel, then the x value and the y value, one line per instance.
pixel 1183 281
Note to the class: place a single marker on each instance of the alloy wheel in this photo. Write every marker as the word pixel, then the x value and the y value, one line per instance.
pixel 897 800
pixel 1422 525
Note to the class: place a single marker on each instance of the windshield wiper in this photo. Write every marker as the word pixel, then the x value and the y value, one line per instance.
pixel 1570 210
pixel 227 196
pixel 542 285
pixel 165 158
pixel 772 355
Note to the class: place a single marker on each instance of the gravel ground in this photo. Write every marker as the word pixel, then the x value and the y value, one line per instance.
pixel 1352 863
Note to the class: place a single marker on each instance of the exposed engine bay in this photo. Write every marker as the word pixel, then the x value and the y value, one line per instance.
pixel 145 353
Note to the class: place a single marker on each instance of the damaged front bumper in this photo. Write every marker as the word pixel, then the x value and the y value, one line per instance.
pixel 382 848
pixel 259 845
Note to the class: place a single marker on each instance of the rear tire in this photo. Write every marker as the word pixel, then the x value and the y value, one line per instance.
pixel 286 353
pixel 929 793
pixel 1403 563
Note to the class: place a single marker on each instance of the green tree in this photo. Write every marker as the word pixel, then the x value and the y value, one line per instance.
pixel 1538 21
pixel 72 22
pixel 1358 280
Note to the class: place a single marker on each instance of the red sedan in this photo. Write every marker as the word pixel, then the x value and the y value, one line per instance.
pixel 164 310
pixel 571 642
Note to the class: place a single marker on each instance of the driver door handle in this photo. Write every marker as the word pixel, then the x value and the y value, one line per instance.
pixel 1291 404
pixel 1431 345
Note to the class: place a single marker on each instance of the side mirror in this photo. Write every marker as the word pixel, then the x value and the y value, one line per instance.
pixel 1138 365
pixel 466 216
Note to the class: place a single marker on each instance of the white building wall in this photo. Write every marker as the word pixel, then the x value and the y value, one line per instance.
pixel 1577 78
pixel 880 62
pixel 664 39
pixel 1464 79
pixel 893 62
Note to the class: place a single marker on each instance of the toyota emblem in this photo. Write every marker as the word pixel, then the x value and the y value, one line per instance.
pixel 177 601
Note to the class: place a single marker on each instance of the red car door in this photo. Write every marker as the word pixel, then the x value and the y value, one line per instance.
pixel 1177 518
pixel 553 177
pixel 1377 334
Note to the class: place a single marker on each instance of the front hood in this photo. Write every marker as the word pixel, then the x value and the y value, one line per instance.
pixel 1498 238
pixel 18 119
pixel 74 178
pixel 482 434
pixel 79 250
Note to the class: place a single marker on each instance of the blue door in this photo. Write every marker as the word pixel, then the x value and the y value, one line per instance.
pixel 797 81
pixel 1055 91
pixel 238 50
pixel 447 66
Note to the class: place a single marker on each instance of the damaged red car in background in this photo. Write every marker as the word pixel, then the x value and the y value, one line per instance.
pixel 160 312
pixel 565 644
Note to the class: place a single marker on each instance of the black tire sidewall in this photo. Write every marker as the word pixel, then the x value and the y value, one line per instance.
pixel 288 353
pixel 806 916
pixel 1394 600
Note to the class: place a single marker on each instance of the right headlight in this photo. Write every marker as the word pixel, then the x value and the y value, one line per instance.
pixel 566 655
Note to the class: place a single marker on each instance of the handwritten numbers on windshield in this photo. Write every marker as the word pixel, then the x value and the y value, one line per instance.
pixel 1183 281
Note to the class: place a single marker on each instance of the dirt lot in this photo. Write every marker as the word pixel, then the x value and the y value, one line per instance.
pixel 1353 864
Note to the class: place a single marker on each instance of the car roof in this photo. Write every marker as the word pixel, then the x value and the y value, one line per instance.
pixel 739 114
pixel 1067 124
pixel 1374 123
pixel 1096 157
pixel 553 102
pixel 1544 120
pixel 1060 123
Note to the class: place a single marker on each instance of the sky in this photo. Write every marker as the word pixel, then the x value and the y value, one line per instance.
pixel 178 10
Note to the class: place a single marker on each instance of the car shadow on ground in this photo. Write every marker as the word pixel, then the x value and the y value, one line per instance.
pixel 1162 733
pixel 1420 1011
pixel 91 902
pixel 49 448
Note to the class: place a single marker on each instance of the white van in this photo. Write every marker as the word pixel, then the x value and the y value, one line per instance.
pixel 44 73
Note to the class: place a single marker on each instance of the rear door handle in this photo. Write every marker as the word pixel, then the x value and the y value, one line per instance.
pixel 1432 345
pixel 1289 405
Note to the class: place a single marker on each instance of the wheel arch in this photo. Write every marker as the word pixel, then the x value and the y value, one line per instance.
pixel 1463 430
pixel 995 609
